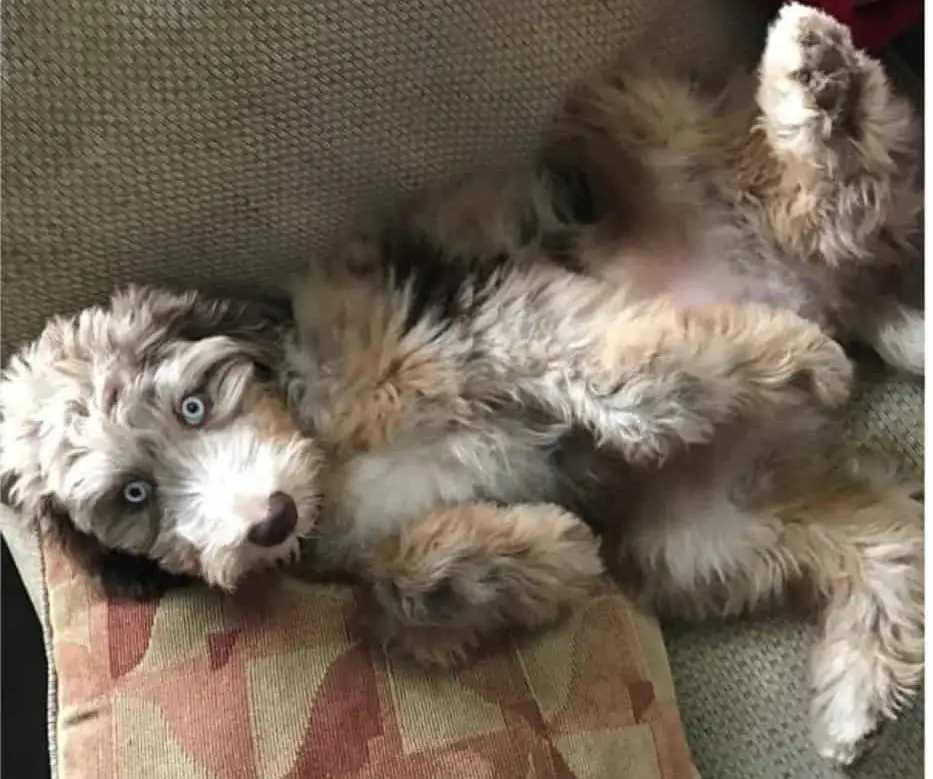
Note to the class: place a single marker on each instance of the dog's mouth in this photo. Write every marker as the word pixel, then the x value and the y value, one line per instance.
pixel 229 572
pixel 273 541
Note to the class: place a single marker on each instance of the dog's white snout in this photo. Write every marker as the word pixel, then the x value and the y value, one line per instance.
pixel 278 522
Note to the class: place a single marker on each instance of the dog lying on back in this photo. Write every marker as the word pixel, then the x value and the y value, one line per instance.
pixel 463 399
pixel 799 188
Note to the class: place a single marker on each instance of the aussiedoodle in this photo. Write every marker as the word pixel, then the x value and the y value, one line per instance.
pixel 631 341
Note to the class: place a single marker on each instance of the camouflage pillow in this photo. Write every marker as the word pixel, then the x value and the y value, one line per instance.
pixel 268 684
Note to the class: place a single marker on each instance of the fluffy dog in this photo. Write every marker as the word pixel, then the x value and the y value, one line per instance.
pixel 453 412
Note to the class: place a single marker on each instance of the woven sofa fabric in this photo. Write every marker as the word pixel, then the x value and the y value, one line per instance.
pixel 226 142
pixel 267 684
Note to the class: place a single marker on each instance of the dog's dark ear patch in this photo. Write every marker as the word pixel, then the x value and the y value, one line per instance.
pixel 120 574
pixel 56 522
pixel 258 325
pixel 192 316
pixel 135 578
pixel 205 318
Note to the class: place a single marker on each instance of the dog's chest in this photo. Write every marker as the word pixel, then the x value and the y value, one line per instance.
pixel 376 493
pixel 394 454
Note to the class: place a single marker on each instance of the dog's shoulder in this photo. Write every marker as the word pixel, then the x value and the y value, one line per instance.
pixel 383 340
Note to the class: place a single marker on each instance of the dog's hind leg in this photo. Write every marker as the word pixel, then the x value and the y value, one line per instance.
pixel 648 379
pixel 853 546
pixel 863 549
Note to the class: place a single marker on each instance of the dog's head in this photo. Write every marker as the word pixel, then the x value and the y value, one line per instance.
pixel 154 427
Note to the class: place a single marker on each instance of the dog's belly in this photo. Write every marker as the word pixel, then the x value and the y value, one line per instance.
pixel 381 491
pixel 720 261
pixel 702 280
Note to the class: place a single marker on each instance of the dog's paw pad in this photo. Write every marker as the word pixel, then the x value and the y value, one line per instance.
pixel 809 48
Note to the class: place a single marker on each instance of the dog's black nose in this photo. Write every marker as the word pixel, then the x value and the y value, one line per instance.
pixel 278 523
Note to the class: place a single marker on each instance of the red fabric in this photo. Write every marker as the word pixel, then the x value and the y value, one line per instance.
pixel 874 24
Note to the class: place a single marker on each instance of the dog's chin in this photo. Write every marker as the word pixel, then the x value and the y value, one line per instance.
pixel 226 569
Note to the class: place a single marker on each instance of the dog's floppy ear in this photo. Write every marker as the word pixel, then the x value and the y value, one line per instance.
pixel 121 575
pixel 131 577
pixel 249 320
pixel 192 316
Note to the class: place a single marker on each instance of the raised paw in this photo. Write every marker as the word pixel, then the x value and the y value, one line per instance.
pixel 810 71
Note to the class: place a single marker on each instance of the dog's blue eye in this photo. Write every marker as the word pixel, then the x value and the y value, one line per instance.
pixel 193 410
pixel 137 492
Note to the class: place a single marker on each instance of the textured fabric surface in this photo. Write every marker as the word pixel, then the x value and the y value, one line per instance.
pixel 268 685
pixel 227 141
pixel 223 143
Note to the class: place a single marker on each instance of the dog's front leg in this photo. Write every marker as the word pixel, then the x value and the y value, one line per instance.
pixel 462 574
pixel 652 377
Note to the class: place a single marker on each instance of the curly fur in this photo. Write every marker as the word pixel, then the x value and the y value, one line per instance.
pixel 800 188
pixel 636 340
pixel 93 404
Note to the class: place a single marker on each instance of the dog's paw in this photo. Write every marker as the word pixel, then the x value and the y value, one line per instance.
pixel 826 372
pixel 647 438
pixel 648 415
pixel 458 577
pixel 435 649
pixel 796 356
pixel 429 646
pixel 484 565
pixel 842 728
pixel 810 70
pixel 858 688
pixel 897 335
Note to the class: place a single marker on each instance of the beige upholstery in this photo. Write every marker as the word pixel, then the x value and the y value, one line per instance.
pixel 223 143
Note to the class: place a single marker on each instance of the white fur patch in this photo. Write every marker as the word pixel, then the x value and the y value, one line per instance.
pixel 898 337
pixel 216 490
pixel 382 491
pixel 698 536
